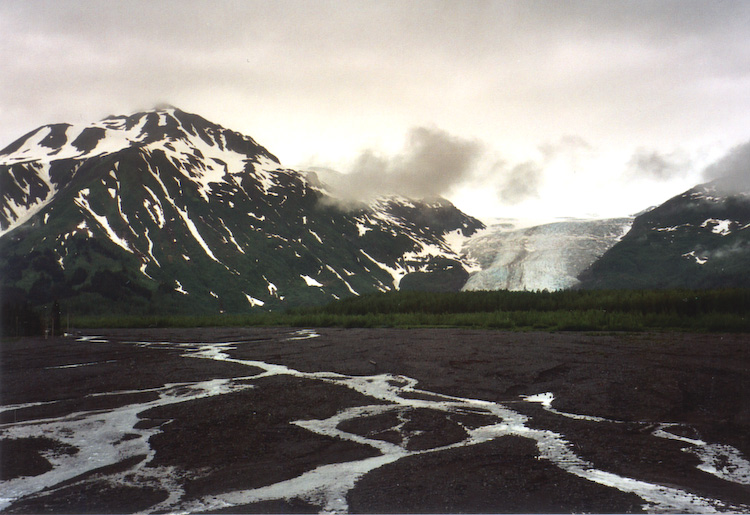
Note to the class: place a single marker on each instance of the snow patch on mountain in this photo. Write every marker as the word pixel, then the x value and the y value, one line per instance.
pixel 254 302
pixel 82 201
pixel 107 136
pixel 315 235
pixel 721 227
pixel 310 281
pixel 362 229
pixel 397 273
pixel 348 286
pixel 456 242
pixel 264 164
pixel 273 291
pixel 18 211
pixel 673 228
pixel 701 260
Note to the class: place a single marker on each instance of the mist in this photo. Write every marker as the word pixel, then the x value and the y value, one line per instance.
pixel 518 183
pixel 431 164
pixel 731 172
pixel 661 166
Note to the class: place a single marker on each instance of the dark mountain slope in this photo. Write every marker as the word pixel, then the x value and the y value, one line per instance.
pixel 699 239
pixel 165 212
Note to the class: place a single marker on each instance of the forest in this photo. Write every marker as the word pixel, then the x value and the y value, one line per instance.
pixel 725 310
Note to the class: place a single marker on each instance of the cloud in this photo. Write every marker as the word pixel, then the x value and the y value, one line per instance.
pixel 323 78
pixel 570 146
pixel 653 164
pixel 519 183
pixel 434 163
pixel 516 183
pixel 430 165
pixel 731 172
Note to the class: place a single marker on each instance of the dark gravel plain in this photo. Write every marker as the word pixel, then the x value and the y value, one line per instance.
pixel 246 439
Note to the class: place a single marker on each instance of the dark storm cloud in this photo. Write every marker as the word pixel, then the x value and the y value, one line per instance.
pixel 431 163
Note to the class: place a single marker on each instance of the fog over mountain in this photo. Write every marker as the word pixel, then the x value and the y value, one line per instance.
pixel 732 172
pixel 697 239
pixel 430 165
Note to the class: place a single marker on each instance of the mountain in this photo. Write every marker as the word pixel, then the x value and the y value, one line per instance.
pixel 542 257
pixel 699 239
pixel 166 212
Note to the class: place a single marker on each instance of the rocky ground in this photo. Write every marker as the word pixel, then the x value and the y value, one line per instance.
pixel 375 421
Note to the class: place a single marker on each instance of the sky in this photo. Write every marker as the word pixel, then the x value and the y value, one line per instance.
pixel 528 109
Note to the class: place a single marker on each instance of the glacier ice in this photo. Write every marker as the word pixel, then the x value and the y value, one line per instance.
pixel 541 257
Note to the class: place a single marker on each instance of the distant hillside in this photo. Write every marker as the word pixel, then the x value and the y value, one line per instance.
pixel 699 239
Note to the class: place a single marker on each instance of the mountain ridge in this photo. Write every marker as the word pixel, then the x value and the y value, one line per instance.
pixel 125 221
pixel 697 239
pixel 109 136
pixel 165 212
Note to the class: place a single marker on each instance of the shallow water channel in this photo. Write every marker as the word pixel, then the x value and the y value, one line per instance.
pixel 108 437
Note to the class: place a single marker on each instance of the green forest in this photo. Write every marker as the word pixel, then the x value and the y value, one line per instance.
pixel 726 310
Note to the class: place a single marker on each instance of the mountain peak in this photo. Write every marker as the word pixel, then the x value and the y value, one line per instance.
pixel 161 107
pixel 165 210
pixel 161 125
pixel 44 161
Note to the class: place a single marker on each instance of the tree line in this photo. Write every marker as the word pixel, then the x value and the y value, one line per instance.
pixel 681 302
pixel 725 310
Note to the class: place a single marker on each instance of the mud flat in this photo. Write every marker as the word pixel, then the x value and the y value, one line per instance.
pixel 276 420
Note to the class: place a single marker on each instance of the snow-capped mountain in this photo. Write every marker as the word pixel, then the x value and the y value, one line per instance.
pixel 542 257
pixel 164 211
pixel 699 239
pixel 45 160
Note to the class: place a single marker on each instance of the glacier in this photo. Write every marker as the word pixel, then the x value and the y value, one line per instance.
pixel 541 257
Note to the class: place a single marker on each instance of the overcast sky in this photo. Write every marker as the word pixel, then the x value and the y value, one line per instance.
pixel 540 108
